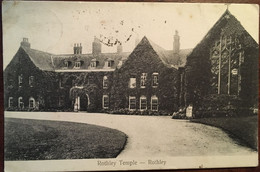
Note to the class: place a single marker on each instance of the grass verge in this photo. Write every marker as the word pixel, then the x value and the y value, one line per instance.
pixel 27 139
pixel 242 129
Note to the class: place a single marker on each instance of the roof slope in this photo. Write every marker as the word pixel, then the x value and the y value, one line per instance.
pixel 85 59
pixel 51 62
pixel 227 25
pixel 41 59
pixel 168 56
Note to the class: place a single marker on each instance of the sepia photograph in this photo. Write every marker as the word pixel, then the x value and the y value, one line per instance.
pixel 101 86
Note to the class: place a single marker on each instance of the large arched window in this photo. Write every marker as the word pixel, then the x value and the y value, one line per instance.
pixel 31 102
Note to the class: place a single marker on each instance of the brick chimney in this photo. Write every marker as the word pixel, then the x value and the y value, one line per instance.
pixel 77 49
pixel 25 43
pixel 96 46
pixel 176 42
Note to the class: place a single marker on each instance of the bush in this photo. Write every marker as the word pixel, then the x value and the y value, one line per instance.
pixel 138 112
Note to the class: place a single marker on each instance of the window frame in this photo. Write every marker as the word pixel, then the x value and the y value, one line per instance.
pixel 66 63
pixel 132 85
pixel 34 103
pixel 130 98
pixel 20 102
pixel 143 80
pixel 105 82
pixel 105 103
pixel 20 80
pixel 10 102
pixel 155 84
pixel 31 81
pixel 143 98
pixel 154 97
pixel 93 64
pixel 77 64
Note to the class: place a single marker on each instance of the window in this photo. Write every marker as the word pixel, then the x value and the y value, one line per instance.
pixel 109 63
pixel 154 103
pixel 93 63
pixel 66 63
pixel 10 102
pixel 20 80
pixel 10 83
pixel 143 80
pixel 132 82
pixel 20 103
pixel 77 64
pixel 31 103
pixel 132 103
pixel 155 80
pixel 105 82
pixel 105 101
pixel 31 81
pixel 143 103
pixel 90 79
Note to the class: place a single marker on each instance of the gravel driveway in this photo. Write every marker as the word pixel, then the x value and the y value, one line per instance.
pixel 158 136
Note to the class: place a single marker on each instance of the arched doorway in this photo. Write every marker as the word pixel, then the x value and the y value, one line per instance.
pixel 84 102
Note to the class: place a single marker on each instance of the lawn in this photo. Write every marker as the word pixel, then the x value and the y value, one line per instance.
pixel 27 139
pixel 242 129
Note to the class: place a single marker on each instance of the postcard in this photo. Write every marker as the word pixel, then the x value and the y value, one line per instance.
pixel 98 86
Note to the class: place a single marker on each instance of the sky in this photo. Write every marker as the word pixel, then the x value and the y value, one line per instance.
pixel 55 26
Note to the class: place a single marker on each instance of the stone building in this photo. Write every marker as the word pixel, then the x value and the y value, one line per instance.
pixel 87 82
pixel 221 73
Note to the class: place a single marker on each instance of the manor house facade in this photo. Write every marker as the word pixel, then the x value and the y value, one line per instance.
pixel 150 78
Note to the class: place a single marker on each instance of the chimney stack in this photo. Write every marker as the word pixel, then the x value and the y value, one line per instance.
pixel 77 48
pixel 119 48
pixel 176 42
pixel 96 46
pixel 25 43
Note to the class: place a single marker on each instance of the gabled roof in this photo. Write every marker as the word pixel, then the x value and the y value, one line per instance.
pixel 227 25
pixel 168 57
pixel 41 59
pixel 51 62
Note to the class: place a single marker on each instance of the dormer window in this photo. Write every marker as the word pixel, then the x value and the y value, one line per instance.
pixel 66 64
pixel 77 64
pixel 93 63
pixel 109 63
